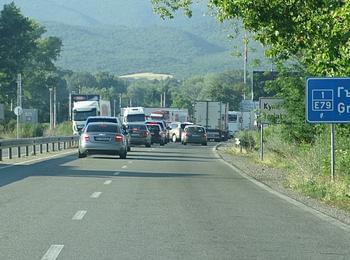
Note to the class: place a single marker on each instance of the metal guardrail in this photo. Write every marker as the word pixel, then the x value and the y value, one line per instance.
pixel 51 143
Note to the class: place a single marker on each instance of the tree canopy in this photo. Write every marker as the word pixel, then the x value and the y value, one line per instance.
pixel 23 49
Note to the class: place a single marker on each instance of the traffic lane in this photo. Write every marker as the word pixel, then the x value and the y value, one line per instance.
pixel 37 200
pixel 204 211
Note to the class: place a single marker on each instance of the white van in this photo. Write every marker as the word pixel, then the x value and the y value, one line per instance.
pixel 133 114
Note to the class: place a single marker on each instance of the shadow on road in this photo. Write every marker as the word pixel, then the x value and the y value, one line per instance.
pixel 57 168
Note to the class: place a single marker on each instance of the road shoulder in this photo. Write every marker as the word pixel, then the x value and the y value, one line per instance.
pixel 275 179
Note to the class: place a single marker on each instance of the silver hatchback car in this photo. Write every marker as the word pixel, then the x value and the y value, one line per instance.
pixel 102 138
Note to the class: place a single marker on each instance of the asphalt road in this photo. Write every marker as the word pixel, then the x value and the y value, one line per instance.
pixel 171 202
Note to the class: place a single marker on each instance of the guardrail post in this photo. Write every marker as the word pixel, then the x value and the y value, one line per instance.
pixel 41 148
pixel 64 145
pixel 19 151
pixel 27 150
pixel 0 154
pixel 53 146
pixel 59 145
pixel 47 147
pixel 10 152
pixel 34 149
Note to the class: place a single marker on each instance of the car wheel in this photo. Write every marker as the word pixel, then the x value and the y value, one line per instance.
pixel 81 155
pixel 123 154
pixel 148 145
pixel 161 143
pixel 173 138
pixel 184 143
pixel 205 144
pixel 129 149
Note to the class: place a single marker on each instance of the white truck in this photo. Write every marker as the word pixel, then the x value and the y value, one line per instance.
pixel 105 108
pixel 234 122
pixel 133 114
pixel 81 110
pixel 213 115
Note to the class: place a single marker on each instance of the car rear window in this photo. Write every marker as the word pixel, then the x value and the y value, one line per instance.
pixel 195 130
pixel 183 126
pixel 111 120
pixel 104 128
pixel 137 128
pixel 153 128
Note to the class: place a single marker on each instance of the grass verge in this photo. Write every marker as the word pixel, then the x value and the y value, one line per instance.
pixel 308 166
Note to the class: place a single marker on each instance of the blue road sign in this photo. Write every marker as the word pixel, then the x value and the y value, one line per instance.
pixel 328 100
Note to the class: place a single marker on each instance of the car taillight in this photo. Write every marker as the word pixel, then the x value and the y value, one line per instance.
pixel 85 137
pixel 118 138
pixel 145 134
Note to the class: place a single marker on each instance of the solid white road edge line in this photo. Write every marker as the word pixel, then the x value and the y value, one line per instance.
pixel 79 215
pixel 107 182
pixel 296 203
pixel 95 195
pixel 53 252
pixel 35 160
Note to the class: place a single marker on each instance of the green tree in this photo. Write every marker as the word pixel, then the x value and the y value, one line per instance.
pixel 77 80
pixel 24 50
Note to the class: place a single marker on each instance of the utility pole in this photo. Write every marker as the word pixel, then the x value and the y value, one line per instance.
pixel 51 115
pixel 245 57
pixel 19 99
pixel 54 107
pixel 114 106
pixel 120 104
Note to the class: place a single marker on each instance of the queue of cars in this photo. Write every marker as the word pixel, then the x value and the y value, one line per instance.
pixel 106 135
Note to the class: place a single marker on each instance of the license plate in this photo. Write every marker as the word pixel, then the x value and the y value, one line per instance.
pixel 104 139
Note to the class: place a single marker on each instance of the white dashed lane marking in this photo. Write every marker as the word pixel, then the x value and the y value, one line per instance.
pixel 116 173
pixel 124 167
pixel 79 215
pixel 107 182
pixel 95 195
pixel 53 252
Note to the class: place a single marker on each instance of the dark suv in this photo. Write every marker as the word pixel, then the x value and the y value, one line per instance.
pixel 158 136
pixel 194 134
pixel 139 134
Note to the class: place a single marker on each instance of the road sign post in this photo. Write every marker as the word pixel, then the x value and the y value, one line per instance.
pixel 328 102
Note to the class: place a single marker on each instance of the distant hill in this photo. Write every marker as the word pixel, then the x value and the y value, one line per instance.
pixel 131 13
pixel 125 37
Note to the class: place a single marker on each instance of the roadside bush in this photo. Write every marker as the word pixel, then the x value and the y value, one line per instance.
pixel 62 129
pixel 247 140
pixel 308 164
pixel 31 130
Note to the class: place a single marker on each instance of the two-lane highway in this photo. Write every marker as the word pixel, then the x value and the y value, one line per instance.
pixel 171 202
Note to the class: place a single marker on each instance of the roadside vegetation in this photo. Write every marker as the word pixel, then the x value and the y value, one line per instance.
pixel 307 164
pixel 34 130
